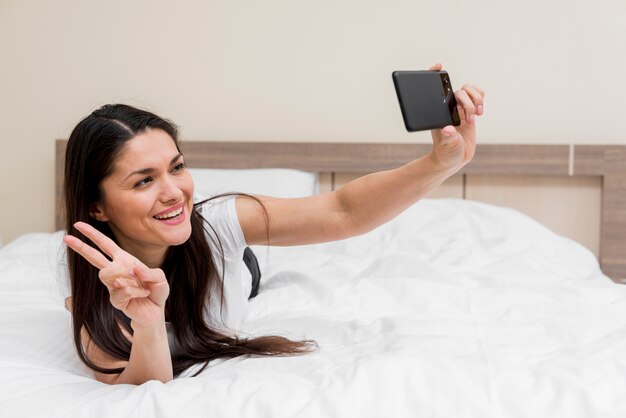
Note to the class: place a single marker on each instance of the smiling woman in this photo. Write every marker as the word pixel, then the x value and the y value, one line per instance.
pixel 148 208
pixel 158 262
pixel 162 263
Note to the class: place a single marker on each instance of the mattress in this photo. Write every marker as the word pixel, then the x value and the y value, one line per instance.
pixel 453 309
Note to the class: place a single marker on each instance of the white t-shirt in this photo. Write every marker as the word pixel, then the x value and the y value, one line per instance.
pixel 221 214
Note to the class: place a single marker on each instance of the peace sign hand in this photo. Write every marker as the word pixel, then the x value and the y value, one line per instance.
pixel 138 291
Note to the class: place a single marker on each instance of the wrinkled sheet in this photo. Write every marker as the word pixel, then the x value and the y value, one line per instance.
pixel 453 309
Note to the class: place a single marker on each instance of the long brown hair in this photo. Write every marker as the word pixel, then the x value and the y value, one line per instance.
pixel 93 146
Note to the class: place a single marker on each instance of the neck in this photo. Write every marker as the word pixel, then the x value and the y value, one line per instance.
pixel 150 255
pixel 152 259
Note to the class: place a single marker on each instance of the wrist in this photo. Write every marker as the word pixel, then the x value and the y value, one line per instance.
pixel 439 167
pixel 154 324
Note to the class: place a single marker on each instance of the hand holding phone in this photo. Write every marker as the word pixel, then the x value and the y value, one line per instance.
pixel 426 99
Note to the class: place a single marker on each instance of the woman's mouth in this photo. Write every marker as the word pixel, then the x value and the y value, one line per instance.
pixel 171 214
pixel 173 217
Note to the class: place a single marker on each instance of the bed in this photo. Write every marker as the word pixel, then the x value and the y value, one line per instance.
pixel 455 308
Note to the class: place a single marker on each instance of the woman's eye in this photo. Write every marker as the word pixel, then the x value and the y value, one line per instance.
pixel 143 182
pixel 178 167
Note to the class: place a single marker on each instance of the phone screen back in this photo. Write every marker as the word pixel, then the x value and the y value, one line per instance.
pixel 426 99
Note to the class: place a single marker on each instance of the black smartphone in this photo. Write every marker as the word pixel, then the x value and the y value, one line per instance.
pixel 426 99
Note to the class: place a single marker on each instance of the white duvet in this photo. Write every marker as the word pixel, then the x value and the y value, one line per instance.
pixel 454 309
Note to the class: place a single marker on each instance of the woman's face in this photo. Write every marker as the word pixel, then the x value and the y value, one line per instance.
pixel 148 198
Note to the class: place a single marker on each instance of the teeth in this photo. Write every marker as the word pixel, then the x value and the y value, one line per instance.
pixel 171 214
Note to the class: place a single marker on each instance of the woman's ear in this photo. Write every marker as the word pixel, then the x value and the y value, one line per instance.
pixel 97 213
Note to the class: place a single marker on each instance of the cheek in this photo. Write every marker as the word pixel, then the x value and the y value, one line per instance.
pixel 188 186
pixel 130 207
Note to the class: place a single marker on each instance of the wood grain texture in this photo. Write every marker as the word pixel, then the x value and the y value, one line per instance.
pixel 549 200
pixel 59 163
pixel 609 162
pixel 589 160
pixel 520 160
pixel 326 182
pixel 365 158
pixel 321 157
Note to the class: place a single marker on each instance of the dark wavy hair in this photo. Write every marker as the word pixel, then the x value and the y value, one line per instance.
pixel 93 146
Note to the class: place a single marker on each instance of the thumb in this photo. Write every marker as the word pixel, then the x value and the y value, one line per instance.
pixel 448 131
pixel 447 138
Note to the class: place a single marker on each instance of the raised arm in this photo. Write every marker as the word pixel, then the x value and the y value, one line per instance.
pixel 371 200
pixel 140 292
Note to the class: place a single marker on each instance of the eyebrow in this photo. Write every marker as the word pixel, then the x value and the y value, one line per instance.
pixel 144 171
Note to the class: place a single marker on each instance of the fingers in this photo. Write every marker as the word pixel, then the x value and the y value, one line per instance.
pixel 471 100
pixel 93 256
pixel 120 297
pixel 470 97
pixel 477 95
pixel 147 275
pixel 115 277
pixel 124 276
pixel 106 244
pixel 122 286
pixel 466 104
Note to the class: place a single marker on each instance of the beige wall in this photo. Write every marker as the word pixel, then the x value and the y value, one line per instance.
pixel 289 70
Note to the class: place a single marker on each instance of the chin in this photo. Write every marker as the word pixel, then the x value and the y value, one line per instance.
pixel 180 238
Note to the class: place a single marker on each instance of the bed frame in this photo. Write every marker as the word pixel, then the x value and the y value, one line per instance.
pixel 604 164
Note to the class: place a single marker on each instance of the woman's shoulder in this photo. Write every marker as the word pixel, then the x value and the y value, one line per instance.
pixel 215 207
pixel 221 215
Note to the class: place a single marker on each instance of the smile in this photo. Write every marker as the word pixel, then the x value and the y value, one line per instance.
pixel 170 215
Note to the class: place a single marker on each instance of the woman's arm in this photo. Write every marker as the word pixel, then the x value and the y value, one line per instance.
pixel 371 200
pixel 149 356
pixel 144 351
pixel 143 365
pixel 140 293
pixel 358 207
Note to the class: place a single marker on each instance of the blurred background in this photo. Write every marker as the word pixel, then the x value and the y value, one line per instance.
pixel 289 70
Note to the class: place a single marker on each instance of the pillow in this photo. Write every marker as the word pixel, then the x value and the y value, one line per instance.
pixel 275 182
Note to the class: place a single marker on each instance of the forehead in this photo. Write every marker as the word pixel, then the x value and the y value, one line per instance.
pixel 149 149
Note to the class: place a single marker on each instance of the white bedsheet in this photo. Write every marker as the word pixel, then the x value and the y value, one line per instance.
pixel 454 309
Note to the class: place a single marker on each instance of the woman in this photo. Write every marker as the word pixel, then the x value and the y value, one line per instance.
pixel 147 260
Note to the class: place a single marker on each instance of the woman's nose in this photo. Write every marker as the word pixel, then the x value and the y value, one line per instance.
pixel 170 192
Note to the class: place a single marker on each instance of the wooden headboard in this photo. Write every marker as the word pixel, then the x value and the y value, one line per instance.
pixel 606 163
